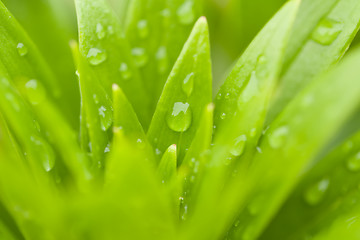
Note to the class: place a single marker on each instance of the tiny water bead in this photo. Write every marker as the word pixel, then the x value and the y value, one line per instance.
pixel 222 116
pixel 239 146
pixel 35 91
pixel 13 101
pixel 140 56
pixel 185 13
pixel 22 49
pixel 110 30
pixel 162 60
pixel 106 117
pixel 125 71
pixel 180 117
pixel 44 151
pixel 100 31
pixel 96 56
pixel 315 193
pixel 327 31
pixel 143 28
pixel 278 137
pixel 188 84
pixel 250 90
pixel 353 163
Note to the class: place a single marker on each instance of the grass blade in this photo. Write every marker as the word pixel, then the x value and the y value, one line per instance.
pixel 185 95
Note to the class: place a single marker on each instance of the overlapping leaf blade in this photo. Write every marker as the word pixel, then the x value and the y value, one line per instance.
pixel 293 140
pixel 276 33
pixel 327 190
pixel 157 30
pixel 108 54
pixel 322 34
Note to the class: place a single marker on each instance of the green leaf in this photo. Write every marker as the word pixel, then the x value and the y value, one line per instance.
pixel 167 166
pixel 58 23
pixel 191 169
pixel 130 179
pixel 297 136
pixel 185 95
pixel 327 190
pixel 96 112
pixel 19 56
pixel 243 100
pixel 108 54
pixel 322 34
pixel 233 125
pixel 157 30
pixel 22 122
pixel 28 198
pixel 125 119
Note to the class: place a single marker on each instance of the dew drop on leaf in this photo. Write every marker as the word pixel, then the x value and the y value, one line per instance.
pixel 125 71
pixel 353 163
pixel 162 60
pixel 100 31
pixel 185 13
pixel 143 28
pixel 315 193
pixel 239 146
pixel 188 84
pixel 327 31
pixel 140 56
pixel 106 117
pixel 22 49
pixel 35 91
pixel 45 152
pixel 278 137
pixel 96 56
pixel 180 117
pixel 13 101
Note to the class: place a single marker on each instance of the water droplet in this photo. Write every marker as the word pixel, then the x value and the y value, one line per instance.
pixel 35 91
pixel 44 151
pixel 185 13
pixel 140 56
pixel 223 116
pixel 250 91
pixel 259 149
pixel 22 49
pixel 316 192
pixel 107 148
pixel 353 163
pixel 162 60
pixel 96 56
pixel 125 71
pixel 100 31
pixel 239 146
pixel 180 117
pixel 278 137
pixel 13 101
pixel 96 99
pixel 143 28
pixel 157 151
pixel 327 31
pixel 253 132
pixel 106 117
pixel 188 84
pixel 110 30
pixel 227 96
pixel 166 14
